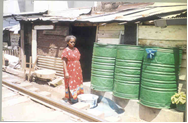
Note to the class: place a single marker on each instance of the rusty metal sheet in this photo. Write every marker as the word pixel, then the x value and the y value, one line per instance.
pixel 129 12
pixel 14 28
pixel 137 13
pixel 70 13
pixel 64 15
pixel 113 16
pixel 133 6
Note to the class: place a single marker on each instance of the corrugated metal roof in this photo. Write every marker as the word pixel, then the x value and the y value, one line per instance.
pixel 26 13
pixel 138 11
pixel 133 6
pixel 70 13
pixel 135 14
pixel 180 15
pixel 64 15
pixel 14 28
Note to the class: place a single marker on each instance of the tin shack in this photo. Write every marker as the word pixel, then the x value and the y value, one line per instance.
pixel 151 24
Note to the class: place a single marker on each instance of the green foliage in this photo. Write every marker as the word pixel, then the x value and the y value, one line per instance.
pixel 179 98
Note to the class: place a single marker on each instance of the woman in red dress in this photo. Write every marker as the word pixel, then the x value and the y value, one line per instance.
pixel 72 70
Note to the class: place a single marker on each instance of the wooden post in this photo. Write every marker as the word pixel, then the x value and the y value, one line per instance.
pixel 22 45
pixel 19 53
pixel 34 45
pixel 185 114
pixel 97 29
pixel 30 58
pixel 24 66
pixel 3 59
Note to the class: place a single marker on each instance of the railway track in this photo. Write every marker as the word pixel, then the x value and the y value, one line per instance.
pixel 23 104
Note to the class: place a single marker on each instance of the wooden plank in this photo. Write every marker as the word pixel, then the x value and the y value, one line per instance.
pixel 163 43
pixel 50 59
pixel 183 74
pixel 3 59
pixel 184 63
pixel 62 32
pixel 184 56
pixel 96 37
pixel 108 34
pixel 30 60
pixel 34 45
pixel 84 24
pixel 43 27
pixel 39 56
pixel 51 65
pixel 50 68
pixel 51 62
pixel 112 26
pixel 172 32
pixel 22 46
pixel 24 67
pixel 61 75
pixel 109 40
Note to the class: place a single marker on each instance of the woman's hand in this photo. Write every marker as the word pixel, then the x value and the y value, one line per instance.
pixel 67 75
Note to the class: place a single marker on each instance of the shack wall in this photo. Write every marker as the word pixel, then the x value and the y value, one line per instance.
pixel 111 33
pixel 52 42
pixel 171 36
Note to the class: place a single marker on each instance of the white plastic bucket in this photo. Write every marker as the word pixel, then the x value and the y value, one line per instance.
pixel 88 98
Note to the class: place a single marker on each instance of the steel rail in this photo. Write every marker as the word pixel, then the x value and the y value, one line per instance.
pixel 84 115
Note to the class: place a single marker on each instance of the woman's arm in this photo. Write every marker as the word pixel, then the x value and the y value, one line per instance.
pixel 65 67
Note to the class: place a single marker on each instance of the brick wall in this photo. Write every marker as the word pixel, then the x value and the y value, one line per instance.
pixel 53 43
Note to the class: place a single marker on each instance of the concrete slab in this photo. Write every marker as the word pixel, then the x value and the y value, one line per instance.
pixel 26 85
pixel 15 101
pixel 96 113
pixel 134 109
pixel 56 82
pixel 8 95
pixel 113 119
pixel 81 105
pixel 45 93
pixel 34 89
pixel 52 116
pixel 130 119
pixel 19 73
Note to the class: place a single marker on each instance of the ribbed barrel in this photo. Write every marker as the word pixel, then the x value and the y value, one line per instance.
pixel 127 71
pixel 160 77
pixel 103 62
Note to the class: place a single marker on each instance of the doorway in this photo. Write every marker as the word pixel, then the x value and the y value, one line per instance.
pixel 85 41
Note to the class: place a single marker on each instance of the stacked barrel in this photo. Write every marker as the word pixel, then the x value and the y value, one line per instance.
pixel 160 77
pixel 127 71
pixel 102 71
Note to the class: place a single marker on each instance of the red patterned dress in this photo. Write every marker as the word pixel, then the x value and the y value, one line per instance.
pixel 75 80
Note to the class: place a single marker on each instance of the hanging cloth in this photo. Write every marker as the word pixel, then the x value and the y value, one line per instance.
pixel 150 53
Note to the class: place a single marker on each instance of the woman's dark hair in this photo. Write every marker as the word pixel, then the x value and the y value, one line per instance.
pixel 68 38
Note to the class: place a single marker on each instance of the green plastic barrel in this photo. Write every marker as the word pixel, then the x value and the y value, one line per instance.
pixel 160 77
pixel 127 71
pixel 102 71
